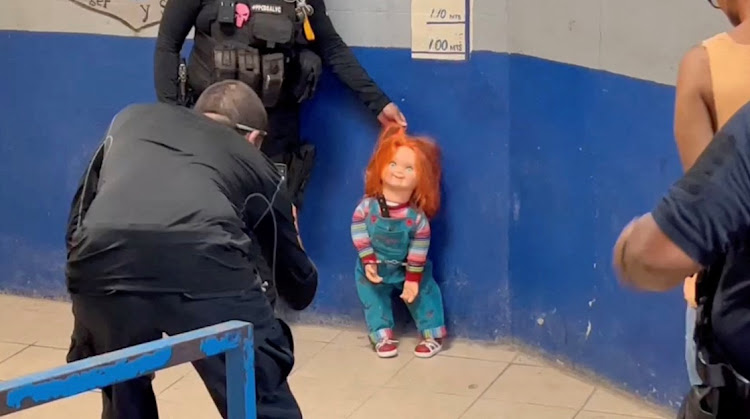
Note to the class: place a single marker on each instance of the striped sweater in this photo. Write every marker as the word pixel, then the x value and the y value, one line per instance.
pixel 418 247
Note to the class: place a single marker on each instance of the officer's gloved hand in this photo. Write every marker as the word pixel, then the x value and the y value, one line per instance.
pixel 311 68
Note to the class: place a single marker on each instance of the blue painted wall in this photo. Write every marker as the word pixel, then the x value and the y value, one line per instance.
pixel 588 152
pixel 544 163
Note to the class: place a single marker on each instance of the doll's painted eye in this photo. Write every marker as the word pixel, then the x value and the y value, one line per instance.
pixel 393 164
pixel 409 169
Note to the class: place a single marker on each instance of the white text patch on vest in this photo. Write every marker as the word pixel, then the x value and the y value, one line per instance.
pixel 266 8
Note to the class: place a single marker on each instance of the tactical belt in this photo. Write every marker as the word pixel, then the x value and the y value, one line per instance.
pixel 721 383
pixel 257 48
pixel 720 375
pixel 263 73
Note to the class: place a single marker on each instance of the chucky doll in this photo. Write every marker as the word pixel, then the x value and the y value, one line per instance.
pixel 391 232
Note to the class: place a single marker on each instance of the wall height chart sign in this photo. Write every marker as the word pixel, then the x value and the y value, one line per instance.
pixel 439 29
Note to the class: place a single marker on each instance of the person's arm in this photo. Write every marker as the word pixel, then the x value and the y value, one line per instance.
pixel 295 274
pixel 337 55
pixel 693 122
pixel 360 237
pixel 420 244
pixel 648 259
pixel 179 17
pixel 84 195
pixel 705 213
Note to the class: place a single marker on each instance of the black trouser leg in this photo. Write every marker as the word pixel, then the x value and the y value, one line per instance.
pixel 133 399
pixel 106 324
pixel 111 322
pixel 283 131
pixel 274 358
pixel 279 404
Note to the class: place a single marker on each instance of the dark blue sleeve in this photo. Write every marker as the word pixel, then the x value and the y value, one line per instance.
pixel 707 211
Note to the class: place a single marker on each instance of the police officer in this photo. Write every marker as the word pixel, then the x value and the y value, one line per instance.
pixel 703 225
pixel 158 242
pixel 277 47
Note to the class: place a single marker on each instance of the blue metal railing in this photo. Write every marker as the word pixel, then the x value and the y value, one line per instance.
pixel 234 338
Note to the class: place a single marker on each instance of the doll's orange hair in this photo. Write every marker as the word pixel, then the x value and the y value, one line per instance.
pixel 426 195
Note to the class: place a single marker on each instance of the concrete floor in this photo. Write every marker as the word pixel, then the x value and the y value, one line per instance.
pixel 337 376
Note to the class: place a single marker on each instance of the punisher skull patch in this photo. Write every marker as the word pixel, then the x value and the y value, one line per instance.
pixel 241 14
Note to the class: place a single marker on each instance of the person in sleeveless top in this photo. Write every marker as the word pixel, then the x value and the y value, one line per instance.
pixel 713 83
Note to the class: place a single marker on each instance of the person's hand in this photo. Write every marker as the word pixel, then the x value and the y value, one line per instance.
pixel 294 217
pixel 688 289
pixel 296 226
pixel 391 114
pixel 371 272
pixel 411 290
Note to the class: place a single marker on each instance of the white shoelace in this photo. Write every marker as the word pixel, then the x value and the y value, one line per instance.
pixel 431 344
pixel 384 342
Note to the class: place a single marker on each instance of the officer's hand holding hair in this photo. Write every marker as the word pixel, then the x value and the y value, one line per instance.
pixel 391 114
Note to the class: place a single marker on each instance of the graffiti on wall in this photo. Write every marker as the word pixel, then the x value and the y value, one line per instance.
pixel 135 14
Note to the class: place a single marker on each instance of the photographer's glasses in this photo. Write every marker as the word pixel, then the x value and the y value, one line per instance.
pixel 244 129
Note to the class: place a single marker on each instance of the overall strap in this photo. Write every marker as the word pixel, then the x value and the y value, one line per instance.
pixel 372 206
pixel 382 207
pixel 413 214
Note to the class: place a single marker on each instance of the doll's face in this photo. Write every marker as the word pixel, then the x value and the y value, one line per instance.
pixel 401 172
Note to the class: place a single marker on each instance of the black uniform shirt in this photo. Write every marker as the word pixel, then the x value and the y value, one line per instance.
pixel 167 205
pixel 707 214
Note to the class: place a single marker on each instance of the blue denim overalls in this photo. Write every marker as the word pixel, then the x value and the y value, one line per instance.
pixel 390 239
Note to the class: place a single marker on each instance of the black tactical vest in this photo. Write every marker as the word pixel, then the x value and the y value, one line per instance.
pixel 253 41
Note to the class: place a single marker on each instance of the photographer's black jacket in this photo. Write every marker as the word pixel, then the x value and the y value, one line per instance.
pixel 170 203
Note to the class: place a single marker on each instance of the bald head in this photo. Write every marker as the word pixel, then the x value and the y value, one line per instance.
pixel 233 102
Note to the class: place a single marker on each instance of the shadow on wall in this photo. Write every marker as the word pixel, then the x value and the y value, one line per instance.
pixel 534 193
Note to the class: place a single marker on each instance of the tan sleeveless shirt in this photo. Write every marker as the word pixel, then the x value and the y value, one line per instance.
pixel 729 63
pixel 730 75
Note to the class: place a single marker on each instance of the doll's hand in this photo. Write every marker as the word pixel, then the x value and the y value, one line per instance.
pixel 371 272
pixel 411 290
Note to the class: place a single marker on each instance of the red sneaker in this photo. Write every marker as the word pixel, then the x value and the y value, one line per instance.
pixel 428 348
pixel 386 348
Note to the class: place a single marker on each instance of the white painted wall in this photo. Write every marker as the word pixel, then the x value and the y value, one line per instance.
pixel 638 38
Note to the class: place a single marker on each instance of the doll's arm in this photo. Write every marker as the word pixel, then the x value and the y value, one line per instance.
pixel 417 256
pixel 360 237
